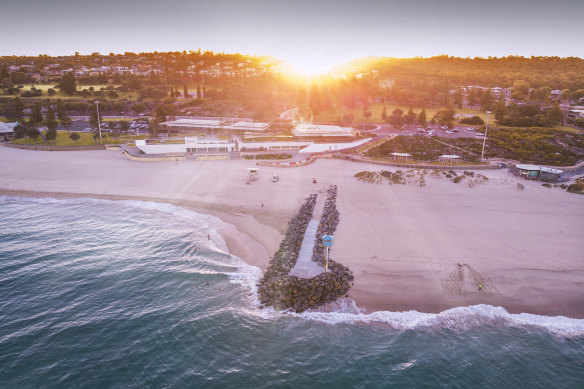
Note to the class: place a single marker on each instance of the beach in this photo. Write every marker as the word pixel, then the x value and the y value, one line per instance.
pixel 404 243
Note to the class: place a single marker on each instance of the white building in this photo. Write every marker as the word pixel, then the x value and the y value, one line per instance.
pixel 191 145
pixel 214 124
pixel 308 130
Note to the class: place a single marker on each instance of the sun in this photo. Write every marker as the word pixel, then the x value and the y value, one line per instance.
pixel 310 67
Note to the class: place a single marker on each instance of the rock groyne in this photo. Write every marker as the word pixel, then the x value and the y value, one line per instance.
pixel 282 291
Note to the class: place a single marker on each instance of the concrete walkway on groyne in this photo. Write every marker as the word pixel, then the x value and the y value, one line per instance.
pixel 305 267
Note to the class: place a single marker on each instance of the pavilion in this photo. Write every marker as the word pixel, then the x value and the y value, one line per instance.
pixel 401 156
pixel 449 158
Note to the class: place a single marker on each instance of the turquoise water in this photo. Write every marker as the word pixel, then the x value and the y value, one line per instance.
pixel 100 294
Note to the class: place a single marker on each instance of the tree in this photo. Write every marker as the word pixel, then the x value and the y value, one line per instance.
pixel 75 137
pixel 18 109
pixel 160 114
pixel 397 112
pixel 124 125
pixel 422 117
pixel 475 120
pixel 93 116
pixel 384 114
pixel 35 113
pixel 138 108
pixel 555 115
pixel 198 91
pixel 186 92
pixel 51 123
pixel 68 84
pixel 367 114
pixel 62 112
pixel 486 100
pixel 500 110
pixel 51 92
pixel 444 116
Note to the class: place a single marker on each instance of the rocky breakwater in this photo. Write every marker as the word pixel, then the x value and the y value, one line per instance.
pixel 282 291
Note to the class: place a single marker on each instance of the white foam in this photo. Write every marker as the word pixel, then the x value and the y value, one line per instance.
pixel 460 318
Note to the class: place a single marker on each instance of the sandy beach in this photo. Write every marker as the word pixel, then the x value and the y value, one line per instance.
pixel 403 242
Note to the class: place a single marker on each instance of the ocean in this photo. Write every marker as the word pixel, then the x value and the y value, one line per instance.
pixel 118 294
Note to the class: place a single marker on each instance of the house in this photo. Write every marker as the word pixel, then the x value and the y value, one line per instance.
pixel 7 130
pixel 215 73
pixel 556 94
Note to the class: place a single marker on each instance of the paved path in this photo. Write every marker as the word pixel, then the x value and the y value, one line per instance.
pixel 305 267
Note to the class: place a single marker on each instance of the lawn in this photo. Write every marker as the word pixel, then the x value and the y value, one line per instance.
pixel 27 141
pixel 86 139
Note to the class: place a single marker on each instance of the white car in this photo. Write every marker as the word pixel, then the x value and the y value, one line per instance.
pixel 449 132
pixel 444 128
pixel 470 129
pixel 479 134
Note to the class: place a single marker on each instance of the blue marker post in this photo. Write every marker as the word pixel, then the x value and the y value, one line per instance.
pixel 327 242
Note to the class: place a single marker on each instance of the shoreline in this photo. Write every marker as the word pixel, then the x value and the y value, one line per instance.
pixel 402 242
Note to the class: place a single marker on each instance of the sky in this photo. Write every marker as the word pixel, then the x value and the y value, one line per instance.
pixel 311 35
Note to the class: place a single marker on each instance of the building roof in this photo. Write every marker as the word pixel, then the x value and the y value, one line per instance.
pixel 450 156
pixel 194 123
pixel 247 126
pixel 539 168
pixel 218 124
pixel 309 129
pixel 7 127
pixel 401 154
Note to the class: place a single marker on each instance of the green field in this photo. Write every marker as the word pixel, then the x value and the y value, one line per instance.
pixel 86 139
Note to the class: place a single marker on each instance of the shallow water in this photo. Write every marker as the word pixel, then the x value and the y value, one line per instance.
pixel 101 294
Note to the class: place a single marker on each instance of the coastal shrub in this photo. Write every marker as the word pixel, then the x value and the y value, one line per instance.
pixel 576 187
pixel 529 145
pixel 457 179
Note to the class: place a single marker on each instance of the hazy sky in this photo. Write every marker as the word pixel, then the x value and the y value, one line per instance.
pixel 307 33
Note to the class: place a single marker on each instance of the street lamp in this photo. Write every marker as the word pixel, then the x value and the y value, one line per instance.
pixel 485 138
pixel 98 121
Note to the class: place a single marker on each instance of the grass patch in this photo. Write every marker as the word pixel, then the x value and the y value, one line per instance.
pixel 27 141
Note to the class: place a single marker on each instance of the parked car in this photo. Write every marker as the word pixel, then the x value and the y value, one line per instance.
pixel 479 134
pixel 449 132
pixel 275 179
pixel 444 128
